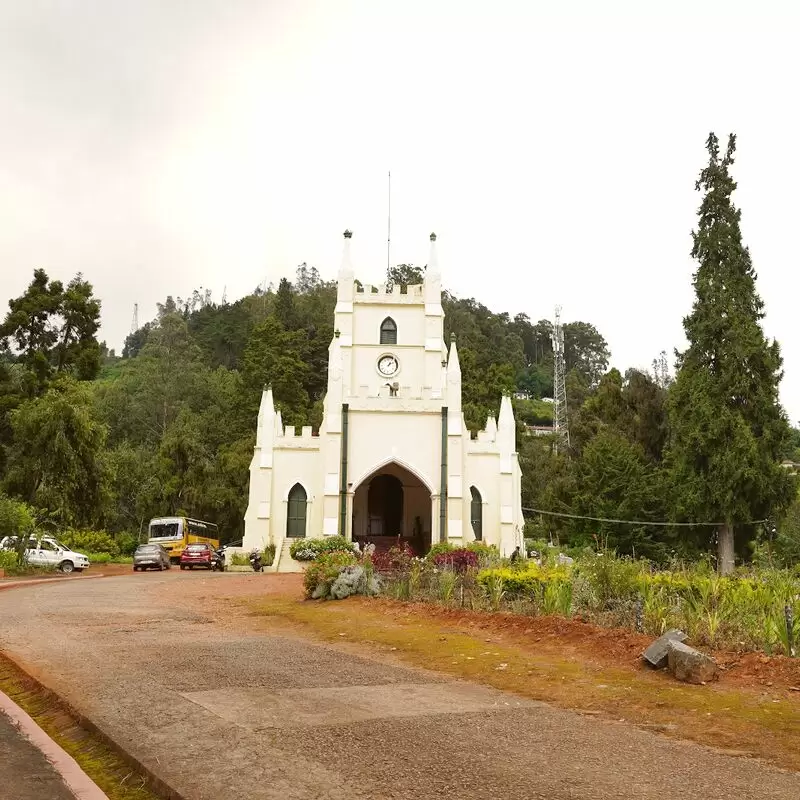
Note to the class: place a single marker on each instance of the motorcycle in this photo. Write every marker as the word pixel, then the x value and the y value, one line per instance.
pixel 255 561
pixel 218 560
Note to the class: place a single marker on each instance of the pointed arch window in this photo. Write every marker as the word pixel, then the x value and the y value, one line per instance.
pixel 476 513
pixel 296 516
pixel 388 331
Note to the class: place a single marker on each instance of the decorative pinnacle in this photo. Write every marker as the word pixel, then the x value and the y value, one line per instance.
pixel 348 234
pixel 433 237
pixel 452 337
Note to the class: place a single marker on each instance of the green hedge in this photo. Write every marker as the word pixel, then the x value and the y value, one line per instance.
pixel 528 582
pixel 310 549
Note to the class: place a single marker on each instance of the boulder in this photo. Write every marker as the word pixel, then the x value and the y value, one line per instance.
pixel 656 654
pixel 690 665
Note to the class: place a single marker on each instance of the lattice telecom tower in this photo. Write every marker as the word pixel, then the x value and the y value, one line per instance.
pixel 135 320
pixel 560 426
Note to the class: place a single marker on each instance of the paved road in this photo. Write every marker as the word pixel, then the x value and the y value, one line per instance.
pixel 224 714
pixel 25 774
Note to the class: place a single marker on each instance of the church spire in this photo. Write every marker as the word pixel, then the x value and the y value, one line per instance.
pixel 453 365
pixel 433 276
pixel 266 416
pixel 506 426
pixel 346 276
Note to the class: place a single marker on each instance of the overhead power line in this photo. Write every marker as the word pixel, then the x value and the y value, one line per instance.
pixel 639 521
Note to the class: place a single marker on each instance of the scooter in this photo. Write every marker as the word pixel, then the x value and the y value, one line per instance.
pixel 255 561
pixel 218 559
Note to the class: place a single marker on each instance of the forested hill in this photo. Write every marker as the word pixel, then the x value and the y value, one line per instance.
pixel 95 440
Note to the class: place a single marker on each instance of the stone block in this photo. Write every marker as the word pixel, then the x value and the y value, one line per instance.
pixel 657 653
pixel 690 665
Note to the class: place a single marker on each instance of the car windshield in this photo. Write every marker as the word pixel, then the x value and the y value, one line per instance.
pixel 147 548
pixel 197 548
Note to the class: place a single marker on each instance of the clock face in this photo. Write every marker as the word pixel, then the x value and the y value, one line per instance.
pixel 387 366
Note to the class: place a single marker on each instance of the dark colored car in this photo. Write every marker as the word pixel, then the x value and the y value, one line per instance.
pixel 150 556
pixel 197 555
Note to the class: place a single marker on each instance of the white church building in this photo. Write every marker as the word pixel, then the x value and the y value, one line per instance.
pixel 393 457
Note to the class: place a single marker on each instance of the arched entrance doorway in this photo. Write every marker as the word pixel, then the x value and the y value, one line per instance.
pixel 392 505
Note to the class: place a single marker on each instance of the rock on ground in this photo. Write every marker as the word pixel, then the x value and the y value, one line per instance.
pixel 690 665
pixel 657 653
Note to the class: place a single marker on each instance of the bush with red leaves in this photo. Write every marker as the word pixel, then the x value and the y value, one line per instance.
pixel 459 560
pixel 398 559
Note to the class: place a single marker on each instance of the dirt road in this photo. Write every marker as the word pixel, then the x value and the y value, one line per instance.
pixel 219 711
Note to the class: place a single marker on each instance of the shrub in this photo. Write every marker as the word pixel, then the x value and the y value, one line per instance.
pixel 354 580
pixel 397 559
pixel 126 543
pixel 8 559
pixel 107 558
pixel 437 548
pixel 483 549
pixel 323 572
pixel 459 560
pixel 90 541
pixel 15 517
pixel 310 549
pixel 611 578
pixel 243 559
pixel 528 582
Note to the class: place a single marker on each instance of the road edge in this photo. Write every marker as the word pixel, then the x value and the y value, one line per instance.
pixel 155 783
pixel 75 779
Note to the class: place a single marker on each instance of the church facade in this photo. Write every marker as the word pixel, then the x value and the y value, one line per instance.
pixel 393 457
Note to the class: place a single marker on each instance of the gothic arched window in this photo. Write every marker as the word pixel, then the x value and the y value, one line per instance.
pixel 296 516
pixel 388 331
pixel 476 513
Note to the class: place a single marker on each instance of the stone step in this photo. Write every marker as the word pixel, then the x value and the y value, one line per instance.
pixel 285 562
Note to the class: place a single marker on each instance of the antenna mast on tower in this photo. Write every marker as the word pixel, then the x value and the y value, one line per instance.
pixel 560 426
pixel 389 228
pixel 135 320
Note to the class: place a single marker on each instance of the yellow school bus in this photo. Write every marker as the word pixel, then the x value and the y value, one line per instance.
pixel 175 533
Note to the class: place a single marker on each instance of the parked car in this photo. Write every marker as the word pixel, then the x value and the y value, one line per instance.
pixel 46 551
pixel 150 556
pixel 197 555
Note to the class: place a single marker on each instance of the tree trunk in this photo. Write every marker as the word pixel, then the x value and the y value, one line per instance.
pixel 725 553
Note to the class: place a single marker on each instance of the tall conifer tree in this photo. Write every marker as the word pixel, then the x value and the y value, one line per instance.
pixel 728 429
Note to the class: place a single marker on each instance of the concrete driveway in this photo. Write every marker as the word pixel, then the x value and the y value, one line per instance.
pixel 220 713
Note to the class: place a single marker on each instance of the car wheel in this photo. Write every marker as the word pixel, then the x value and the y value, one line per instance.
pixel 66 567
pixel 136 569
pixel 183 566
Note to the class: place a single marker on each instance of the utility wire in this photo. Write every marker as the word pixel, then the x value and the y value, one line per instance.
pixel 639 521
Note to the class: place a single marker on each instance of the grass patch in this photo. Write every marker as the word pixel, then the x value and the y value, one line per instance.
pixel 765 724
pixel 118 779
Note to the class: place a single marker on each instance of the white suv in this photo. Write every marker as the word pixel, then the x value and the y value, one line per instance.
pixel 45 551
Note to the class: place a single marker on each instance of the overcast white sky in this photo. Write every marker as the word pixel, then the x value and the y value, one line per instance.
pixel 162 145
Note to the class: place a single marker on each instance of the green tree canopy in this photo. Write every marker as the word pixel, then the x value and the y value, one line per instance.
pixel 727 429
pixel 56 460
pixel 51 329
